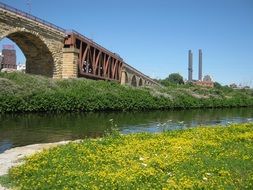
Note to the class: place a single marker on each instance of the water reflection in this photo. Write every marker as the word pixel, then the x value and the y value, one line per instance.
pixel 24 129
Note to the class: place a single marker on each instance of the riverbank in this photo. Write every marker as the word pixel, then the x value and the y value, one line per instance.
pixel 27 93
pixel 16 156
pixel 218 157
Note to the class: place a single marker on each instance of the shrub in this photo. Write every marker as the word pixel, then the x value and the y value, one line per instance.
pixel 27 93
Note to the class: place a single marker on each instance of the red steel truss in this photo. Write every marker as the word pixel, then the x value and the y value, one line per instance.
pixel 94 61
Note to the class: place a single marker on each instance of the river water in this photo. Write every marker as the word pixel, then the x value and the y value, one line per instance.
pixel 24 129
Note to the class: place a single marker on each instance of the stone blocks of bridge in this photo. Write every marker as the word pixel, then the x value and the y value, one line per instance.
pixel 134 79
pixel 41 44
pixel 70 60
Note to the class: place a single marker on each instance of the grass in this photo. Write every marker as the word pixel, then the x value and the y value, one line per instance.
pixel 198 158
pixel 5 181
pixel 28 93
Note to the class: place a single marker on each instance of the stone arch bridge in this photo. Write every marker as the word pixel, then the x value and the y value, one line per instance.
pixel 55 52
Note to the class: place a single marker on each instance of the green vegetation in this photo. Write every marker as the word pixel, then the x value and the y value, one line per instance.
pixel 173 78
pixel 218 157
pixel 27 93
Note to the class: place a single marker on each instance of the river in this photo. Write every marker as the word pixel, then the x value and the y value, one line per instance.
pixel 24 129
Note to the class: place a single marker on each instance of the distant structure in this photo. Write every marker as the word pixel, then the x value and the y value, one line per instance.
pixel 207 81
pixel 207 78
pixel 190 70
pixel 200 65
pixel 21 67
pixel 8 57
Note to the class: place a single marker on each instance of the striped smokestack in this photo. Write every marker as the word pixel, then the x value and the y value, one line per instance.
pixel 200 65
pixel 190 66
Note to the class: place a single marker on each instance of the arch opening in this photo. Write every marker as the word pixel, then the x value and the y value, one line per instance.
pixel 140 82
pixel 11 56
pixel 134 82
pixel 37 58
pixel 124 78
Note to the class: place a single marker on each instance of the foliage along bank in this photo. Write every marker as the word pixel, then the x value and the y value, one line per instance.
pixel 27 93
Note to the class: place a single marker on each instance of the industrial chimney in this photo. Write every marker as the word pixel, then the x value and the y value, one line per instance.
pixel 190 66
pixel 200 65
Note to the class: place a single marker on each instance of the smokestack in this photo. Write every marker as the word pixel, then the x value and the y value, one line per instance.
pixel 190 66
pixel 200 65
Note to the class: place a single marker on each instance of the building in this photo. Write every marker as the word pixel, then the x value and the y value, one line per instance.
pixel 21 67
pixel 204 84
pixel 8 57
pixel 207 80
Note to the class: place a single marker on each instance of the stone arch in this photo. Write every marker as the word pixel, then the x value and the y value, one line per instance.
pixel 124 78
pixel 134 81
pixel 39 59
pixel 140 82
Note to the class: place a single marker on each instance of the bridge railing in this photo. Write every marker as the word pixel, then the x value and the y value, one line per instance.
pixel 31 17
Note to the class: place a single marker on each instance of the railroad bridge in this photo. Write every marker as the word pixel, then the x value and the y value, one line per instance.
pixel 58 53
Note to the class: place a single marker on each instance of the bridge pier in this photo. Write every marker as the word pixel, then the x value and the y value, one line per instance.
pixel 70 63
pixel 124 78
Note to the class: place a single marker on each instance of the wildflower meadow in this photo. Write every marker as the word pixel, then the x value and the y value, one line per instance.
pixel 219 157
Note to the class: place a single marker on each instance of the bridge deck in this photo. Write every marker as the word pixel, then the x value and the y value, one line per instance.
pixel 94 61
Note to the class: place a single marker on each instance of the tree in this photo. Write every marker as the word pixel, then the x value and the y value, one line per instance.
pixel 217 85
pixel 172 80
pixel 175 78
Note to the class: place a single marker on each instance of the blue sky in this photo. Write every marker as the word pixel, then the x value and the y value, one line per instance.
pixel 154 36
